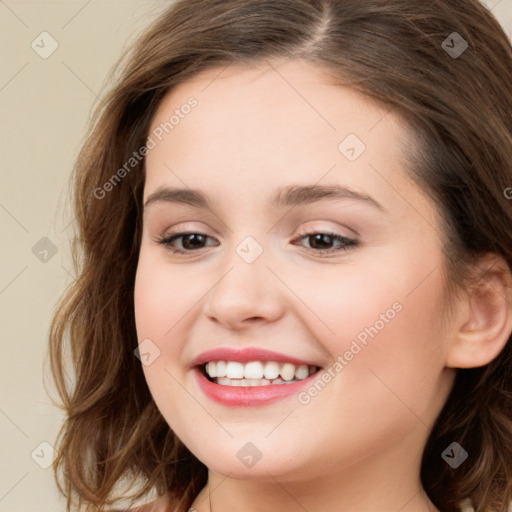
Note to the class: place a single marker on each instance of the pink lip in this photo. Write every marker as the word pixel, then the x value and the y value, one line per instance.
pixel 245 355
pixel 237 396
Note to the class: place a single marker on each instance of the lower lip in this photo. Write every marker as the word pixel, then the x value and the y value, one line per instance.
pixel 249 395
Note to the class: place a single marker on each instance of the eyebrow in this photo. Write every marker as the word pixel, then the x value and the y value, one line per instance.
pixel 293 195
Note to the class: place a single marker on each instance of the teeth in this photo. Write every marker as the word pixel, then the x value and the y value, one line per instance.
pixel 211 369
pixel 287 371
pixel 256 373
pixel 301 372
pixel 220 369
pixel 271 370
pixel 225 381
pixel 234 370
pixel 253 370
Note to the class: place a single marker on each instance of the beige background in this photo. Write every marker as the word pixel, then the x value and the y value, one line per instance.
pixel 44 107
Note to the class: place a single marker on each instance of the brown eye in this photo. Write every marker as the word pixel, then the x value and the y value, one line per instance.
pixel 190 242
pixel 318 242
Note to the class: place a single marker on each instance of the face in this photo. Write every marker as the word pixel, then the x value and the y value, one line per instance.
pixel 337 285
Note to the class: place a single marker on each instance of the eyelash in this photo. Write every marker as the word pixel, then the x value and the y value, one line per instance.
pixel 348 243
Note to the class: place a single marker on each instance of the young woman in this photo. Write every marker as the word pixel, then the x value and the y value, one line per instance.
pixel 294 261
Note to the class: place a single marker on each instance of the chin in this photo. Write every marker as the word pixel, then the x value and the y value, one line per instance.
pixel 243 460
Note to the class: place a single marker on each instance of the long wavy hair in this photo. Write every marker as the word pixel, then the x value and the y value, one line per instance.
pixel 459 109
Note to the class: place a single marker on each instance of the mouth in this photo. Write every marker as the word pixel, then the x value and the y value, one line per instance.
pixel 255 373
pixel 251 376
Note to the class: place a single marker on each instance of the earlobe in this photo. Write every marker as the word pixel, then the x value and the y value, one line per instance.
pixel 485 325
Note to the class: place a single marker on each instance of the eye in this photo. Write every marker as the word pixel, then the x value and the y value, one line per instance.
pixel 318 241
pixel 191 241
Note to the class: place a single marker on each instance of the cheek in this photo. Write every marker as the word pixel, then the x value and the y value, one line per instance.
pixel 393 352
pixel 162 298
pixel 383 322
pixel 164 295
pixel 160 301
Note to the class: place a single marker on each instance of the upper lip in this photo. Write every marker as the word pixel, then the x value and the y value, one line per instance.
pixel 246 355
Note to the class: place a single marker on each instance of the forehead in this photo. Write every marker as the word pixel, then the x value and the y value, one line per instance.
pixel 281 103
pixel 268 125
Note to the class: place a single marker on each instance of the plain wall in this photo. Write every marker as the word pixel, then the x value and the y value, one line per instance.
pixel 44 107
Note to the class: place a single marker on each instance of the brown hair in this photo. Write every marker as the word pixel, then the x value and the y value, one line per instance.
pixel 459 108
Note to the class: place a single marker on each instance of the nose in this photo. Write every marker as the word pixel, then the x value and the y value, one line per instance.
pixel 245 294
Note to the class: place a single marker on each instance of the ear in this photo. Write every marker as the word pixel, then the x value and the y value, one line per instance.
pixel 485 316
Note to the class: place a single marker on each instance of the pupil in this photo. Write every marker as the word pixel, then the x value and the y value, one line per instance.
pixel 192 236
pixel 319 238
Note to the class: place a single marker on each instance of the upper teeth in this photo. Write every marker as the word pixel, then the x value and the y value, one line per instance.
pixel 258 370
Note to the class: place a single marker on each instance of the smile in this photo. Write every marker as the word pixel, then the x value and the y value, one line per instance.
pixel 255 373
pixel 251 376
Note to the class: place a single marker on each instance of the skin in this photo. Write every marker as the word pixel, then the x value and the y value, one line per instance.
pixel 357 445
